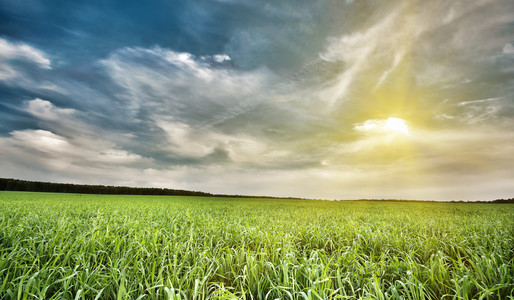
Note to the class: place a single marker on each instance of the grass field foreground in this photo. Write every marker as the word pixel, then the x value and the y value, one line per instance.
pixel 73 246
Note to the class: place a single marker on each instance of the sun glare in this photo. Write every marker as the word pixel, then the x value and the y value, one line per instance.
pixel 397 125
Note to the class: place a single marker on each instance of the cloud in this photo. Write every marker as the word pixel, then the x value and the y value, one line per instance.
pixel 68 144
pixel 42 140
pixel 189 88
pixel 19 51
pixel 197 108
pixel 47 111
pixel 187 142
pixel 43 149
pixel 508 49
pixel 382 126
pixel 67 122
pixel 362 50
pixel 221 58
pixel 10 50
pixel 496 110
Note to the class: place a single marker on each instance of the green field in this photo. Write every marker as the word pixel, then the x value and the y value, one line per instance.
pixel 72 246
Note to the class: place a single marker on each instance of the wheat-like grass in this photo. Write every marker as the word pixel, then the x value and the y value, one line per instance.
pixel 55 246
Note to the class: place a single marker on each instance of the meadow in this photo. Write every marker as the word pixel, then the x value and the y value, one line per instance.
pixel 73 246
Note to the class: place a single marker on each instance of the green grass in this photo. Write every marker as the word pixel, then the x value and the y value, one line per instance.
pixel 70 246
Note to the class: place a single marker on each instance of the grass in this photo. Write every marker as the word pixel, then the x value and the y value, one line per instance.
pixel 71 246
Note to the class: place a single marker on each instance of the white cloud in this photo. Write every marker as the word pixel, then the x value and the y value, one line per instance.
pixel 190 99
pixel 175 83
pixel 365 49
pixel 480 110
pixel 10 50
pixel 46 110
pixel 398 57
pixel 370 125
pixel 186 143
pixel 479 101
pixel 43 148
pixel 189 142
pixel 221 58
pixel 508 49
pixel 67 144
pixel 41 140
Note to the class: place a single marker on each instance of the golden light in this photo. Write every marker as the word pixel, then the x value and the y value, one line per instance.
pixel 397 125
pixel 390 126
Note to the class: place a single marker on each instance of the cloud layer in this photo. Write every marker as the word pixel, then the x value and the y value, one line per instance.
pixel 281 99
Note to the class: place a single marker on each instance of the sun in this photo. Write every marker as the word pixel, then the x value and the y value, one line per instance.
pixel 390 127
pixel 397 125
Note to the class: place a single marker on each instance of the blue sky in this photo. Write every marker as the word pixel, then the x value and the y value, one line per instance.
pixel 289 98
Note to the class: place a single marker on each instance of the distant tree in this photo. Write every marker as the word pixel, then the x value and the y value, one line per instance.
pixel 9 184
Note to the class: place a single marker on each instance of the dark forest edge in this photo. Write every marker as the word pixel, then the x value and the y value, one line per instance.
pixel 10 184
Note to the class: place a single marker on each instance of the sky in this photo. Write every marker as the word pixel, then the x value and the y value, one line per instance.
pixel 314 99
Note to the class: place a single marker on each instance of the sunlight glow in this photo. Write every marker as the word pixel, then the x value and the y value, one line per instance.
pixel 380 126
pixel 397 125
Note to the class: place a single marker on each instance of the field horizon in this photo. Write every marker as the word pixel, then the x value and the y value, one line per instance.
pixel 12 184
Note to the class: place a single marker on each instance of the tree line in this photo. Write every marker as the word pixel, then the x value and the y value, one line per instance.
pixel 9 184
